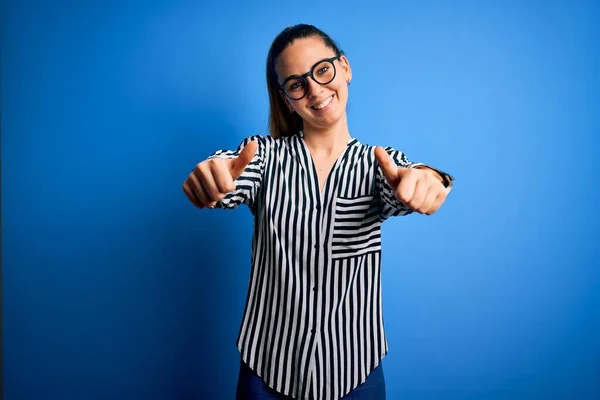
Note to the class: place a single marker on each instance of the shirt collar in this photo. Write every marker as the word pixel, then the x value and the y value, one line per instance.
pixel 351 140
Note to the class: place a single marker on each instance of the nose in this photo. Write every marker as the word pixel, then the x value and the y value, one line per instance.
pixel 313 88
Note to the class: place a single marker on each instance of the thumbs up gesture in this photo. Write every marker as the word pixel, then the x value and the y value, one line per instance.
pixel 212 179
pixel 419 189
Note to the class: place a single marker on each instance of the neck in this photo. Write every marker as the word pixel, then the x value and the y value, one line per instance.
pixel 327 141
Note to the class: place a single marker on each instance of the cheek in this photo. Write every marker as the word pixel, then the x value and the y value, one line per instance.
pixel 342 94
pixel 301 104
pixel 341 85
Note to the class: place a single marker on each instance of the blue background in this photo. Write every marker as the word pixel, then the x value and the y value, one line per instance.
pixel 116 287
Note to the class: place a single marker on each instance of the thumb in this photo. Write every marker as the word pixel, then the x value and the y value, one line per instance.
pixel 239 164
pixel 388 166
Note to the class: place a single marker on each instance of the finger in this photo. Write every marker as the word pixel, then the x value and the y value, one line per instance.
pixel 419 195
pixel 209 202
pixel 194 185
pixel 192 197
pixel 222 178
pixel 427 206
pixel 208 182
pixel 439 200
pixel 240 163
pixel 388 166
pixel 406 188
pixel 198 190
pixel 403 171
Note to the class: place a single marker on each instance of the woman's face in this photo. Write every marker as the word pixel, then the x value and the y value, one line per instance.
pixel 323 105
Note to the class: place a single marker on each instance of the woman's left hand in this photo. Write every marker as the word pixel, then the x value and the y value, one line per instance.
pixel 419 188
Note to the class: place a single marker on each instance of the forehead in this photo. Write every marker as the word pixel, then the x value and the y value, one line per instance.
pixel 301 55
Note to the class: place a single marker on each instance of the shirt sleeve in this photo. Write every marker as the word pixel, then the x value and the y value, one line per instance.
pixel 391 206
pixel 248 184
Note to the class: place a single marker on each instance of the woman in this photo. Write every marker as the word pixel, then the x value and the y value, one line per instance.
pixel 312 326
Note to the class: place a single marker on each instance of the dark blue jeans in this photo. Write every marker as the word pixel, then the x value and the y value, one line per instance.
pixel 251 387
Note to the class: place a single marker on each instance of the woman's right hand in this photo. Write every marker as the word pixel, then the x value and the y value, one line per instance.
pixel 212 179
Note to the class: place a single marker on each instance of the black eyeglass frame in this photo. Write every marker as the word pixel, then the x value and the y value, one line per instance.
pixel 304 77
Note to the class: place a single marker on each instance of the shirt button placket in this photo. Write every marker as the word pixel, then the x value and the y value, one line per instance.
pixel 317 247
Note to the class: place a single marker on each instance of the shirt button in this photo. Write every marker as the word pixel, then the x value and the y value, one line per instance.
pixel 314 288
pixel 313 330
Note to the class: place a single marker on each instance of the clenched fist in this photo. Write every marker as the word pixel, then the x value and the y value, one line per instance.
pixel 419 189
pixel 212 179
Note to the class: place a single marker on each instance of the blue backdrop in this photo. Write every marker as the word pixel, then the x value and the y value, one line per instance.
pixel 116 287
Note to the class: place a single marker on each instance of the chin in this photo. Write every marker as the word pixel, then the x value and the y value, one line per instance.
pixel 323 123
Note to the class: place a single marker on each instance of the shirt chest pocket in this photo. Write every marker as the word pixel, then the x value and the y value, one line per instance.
pixel 356 227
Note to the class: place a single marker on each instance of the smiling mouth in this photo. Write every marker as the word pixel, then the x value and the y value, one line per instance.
pixel 323 104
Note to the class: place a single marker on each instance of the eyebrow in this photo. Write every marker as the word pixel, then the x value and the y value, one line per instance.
pixel 311 68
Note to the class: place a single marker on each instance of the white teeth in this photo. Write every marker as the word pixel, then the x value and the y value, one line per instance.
pixel 323 104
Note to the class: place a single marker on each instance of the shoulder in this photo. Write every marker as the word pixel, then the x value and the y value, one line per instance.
pixel 268 145
pixel 369 149
pixel 264 142
pixel 269 140
pixel 398 156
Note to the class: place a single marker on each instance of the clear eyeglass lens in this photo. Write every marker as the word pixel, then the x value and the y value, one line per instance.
pixel 295 88
pixel 323 72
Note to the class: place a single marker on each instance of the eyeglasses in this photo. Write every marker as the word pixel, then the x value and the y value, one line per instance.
pixel 296 87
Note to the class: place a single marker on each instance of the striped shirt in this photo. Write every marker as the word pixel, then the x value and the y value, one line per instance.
pixel 312 326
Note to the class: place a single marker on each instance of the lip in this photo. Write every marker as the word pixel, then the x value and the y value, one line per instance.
pixel 327 107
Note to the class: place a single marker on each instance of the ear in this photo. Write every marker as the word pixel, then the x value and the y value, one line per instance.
pixel 346 68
